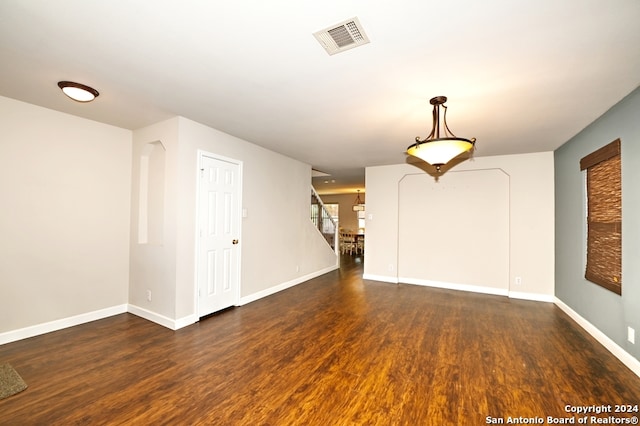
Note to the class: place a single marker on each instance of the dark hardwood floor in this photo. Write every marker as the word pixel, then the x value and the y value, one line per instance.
pixel 336 350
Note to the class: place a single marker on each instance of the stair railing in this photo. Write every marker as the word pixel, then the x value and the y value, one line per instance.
pixel 323 221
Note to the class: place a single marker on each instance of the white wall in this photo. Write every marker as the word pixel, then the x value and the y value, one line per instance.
pixel 153 264
pixel 530 184
pixel 461 234
pixel 71 250
pixel 64 221
pixel 279 244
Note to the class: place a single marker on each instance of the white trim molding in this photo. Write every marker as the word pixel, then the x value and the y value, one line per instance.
pixel 275 289
pixel 624 356
pixel 454 286
pixel 48 327
pixel 382 278
pixel 536 297
pixel 185 321
pixel 161 319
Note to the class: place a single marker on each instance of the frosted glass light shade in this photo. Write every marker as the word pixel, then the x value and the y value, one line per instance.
pixel 78 92
pixel 440 151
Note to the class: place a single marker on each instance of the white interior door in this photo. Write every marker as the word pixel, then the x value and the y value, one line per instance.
pixel 219 234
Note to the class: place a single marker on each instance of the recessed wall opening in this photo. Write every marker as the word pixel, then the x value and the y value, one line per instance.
pixel 151 199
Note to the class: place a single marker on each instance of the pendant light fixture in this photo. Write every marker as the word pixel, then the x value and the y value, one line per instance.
pixel 438 149
pixel 78 92
pixel 357 204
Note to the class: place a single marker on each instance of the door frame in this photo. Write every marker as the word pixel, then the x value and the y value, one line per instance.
pixel 196 296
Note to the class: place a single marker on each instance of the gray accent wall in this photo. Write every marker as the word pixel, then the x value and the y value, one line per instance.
pixel 610 313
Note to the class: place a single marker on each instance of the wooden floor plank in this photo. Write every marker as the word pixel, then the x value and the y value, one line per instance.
pixel 336 350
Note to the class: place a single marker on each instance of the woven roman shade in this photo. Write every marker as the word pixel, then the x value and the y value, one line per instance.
pixel 604 216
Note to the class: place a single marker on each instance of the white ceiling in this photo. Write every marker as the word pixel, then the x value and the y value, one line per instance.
pixel 521 76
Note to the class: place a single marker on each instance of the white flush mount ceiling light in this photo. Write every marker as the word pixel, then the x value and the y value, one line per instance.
pixel 78 92
pixel 437 150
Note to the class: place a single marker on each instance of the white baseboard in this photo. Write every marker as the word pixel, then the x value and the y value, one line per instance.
pixel 186 321
pixel 383 278
pixel 48 327
pixel 536 297
pixel 24 333
pixel 452 286
pixel 463 287
pixel 625 357
pixel 191 319
pixel 161 319
pixel 275 289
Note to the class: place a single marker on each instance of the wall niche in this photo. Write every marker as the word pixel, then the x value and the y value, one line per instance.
pixel 152 188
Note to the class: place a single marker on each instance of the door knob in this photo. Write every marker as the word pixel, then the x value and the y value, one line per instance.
pixel 235 241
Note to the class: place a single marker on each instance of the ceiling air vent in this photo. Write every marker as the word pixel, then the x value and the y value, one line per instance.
pixel 343 36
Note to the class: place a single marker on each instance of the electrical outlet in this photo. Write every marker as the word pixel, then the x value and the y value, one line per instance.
pixel 631 335
pixel 148 295
pixel 518 280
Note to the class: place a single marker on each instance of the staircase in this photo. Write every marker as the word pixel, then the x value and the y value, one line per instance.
pixel 323 221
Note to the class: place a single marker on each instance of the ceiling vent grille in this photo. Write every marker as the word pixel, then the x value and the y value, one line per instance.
pixel 343 36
